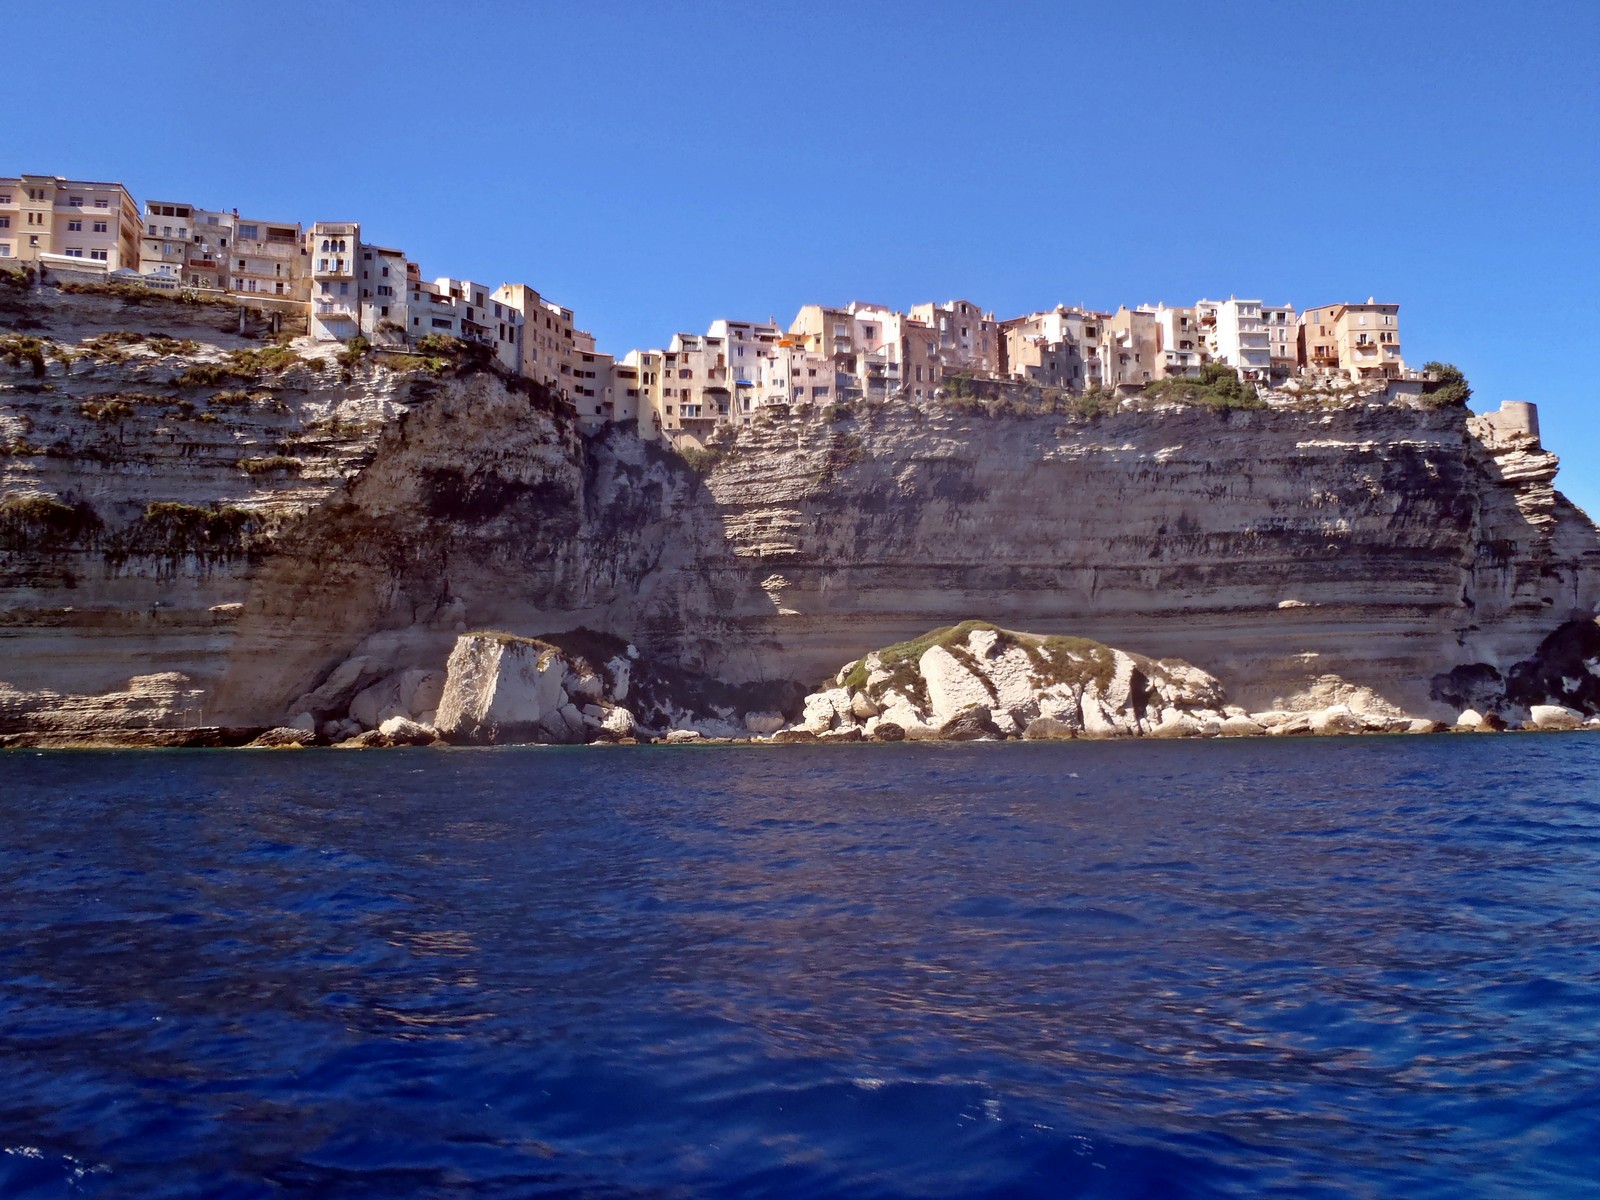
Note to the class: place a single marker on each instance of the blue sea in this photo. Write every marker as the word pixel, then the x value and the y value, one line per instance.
pixel 1364 967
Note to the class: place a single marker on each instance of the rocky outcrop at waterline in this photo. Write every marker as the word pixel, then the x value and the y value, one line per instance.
pixel 283 528
pixel 975 681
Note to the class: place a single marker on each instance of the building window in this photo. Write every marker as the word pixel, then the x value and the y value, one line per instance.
pixel 74 201
pixel 74 251
pixel 5 222
pixel 74 226
pixel 100 227
pixel 99 255
pixel 102 204
pixel 5 249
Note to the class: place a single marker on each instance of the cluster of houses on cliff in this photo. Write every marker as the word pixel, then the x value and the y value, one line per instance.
pixel 343 286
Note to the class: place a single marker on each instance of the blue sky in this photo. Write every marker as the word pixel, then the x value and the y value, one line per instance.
pixel 655 166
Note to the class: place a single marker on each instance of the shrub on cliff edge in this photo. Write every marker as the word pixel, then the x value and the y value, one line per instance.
pixel 1217 386
pixel 1449 387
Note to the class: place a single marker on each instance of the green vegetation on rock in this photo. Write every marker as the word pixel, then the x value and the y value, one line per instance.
pixel 271 464
pixel 106 411
pixel 1217 386
pixel 17 349
pixel 45 524
pixel 172 530
pixel 1449 388
pixel 1055 659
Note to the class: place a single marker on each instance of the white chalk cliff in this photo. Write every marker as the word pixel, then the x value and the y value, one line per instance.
pixel 296 543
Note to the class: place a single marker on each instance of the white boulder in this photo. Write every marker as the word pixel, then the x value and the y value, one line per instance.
pixel 952 686
pixel 1554 716
pixel 823 709
pixel 763 723
pixel 620 722
pixel 499 688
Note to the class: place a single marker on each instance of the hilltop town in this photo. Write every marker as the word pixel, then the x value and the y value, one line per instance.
pixel 265 462
pixel 328 282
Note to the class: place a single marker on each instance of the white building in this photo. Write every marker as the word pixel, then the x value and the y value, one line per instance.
pixel 385 296
pixel 334 248
pixel 1283 340
pixel 748 350
pixel 1237 335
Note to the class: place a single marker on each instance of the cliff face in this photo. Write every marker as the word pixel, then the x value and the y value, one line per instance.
pixel 1271 548
pixel 289 530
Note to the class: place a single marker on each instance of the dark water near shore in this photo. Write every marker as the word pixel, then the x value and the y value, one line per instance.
pixel 1313 968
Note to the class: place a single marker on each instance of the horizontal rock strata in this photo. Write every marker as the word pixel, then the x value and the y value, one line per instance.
pixel 303 538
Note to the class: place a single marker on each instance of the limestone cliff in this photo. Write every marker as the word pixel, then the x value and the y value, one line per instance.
pixel 1290 553
pixel 272 530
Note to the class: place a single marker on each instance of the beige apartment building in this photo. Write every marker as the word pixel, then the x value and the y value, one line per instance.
pixel 828 333
pixel 1059 348
pixel 1130 347
pixel 1180 344
pixel 626 394
pixel 549 337
pixel 269 258
pixel 593 381
pixel 796 375
pixel 645 368
pixel 1368 337
pixel 897 353
pixel 967 337
pixel 186 245
pixel 46 216
pixel 695 392
pixel 1360 341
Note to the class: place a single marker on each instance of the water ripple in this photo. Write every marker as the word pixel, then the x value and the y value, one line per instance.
pixel 1315 969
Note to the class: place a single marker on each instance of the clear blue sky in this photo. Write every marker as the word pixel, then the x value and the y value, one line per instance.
pixel 655 166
